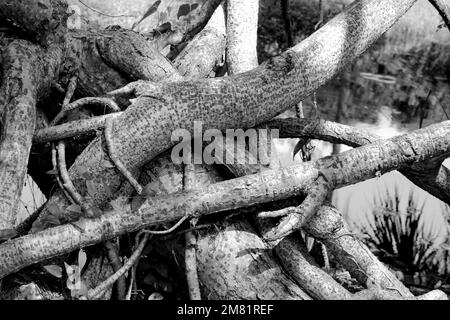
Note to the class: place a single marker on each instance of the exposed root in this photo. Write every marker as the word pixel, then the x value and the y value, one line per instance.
pixel 70 91
pixel 97 292
pixel 136 89
pixel 190 254
pixel 326 259
pixel 114 258
pixel 277 213
pixel 57 175
pixel 297 217
pixel 168 231
pixel 117 162
pixel 328 227
pixel 67 182
pixel 109 104
pixel 72 129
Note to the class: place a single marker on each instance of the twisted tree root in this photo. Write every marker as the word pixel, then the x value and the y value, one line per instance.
pixel 67 182
pixel 106 102
pixel 115 159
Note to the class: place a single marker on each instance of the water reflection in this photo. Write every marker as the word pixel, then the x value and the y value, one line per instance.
pixel 357 201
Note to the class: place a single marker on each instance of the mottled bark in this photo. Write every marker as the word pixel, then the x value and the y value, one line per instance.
pixel 258 274
pixel 328 226
pixel 242 27
pixel 28 73
pixel 144 129
pixel 271 185
pixel 210 42
pixel 43 20
pixel 133 55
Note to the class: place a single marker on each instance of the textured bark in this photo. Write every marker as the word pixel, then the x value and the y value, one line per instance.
pixel 242 26
pixel 234 262
pixel 367 161
pixel 210 42
pixel 218 278
pixel 250 270
pixel 271 185
pixel 328 226
pixel 191 68
pixel 133 55
pixel 144 129
pixel 149 96
pixel 28 74
pixel 43 20
pixel 301 266
pixel 431 176
pixel 168 23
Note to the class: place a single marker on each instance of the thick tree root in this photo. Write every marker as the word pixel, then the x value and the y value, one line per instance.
pixel 346 168
pixel 267 83
pixel 28 75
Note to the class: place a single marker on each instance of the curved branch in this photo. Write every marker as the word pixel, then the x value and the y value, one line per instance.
pixel 239 101
pixel 443 7
pixel 271 185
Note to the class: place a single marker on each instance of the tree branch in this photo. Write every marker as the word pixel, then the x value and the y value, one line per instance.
pixel 28 74
pixel 242 25
pixel 243 100
pixel 443 7
pixel 343 169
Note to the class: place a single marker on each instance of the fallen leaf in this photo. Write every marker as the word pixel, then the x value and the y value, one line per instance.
pixel 54 270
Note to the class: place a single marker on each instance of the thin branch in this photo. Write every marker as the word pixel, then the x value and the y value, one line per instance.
pixel 271 185
pixel 72 129
pixel 168 231
pixel 108 283
pixel 190 252
pixel 109 123
pixel 67 182
pixel 108 103
pixel 105 14
pixel 114 259
pixel 443 7
pixel 287 22
pixel 70 91
pixel 58 175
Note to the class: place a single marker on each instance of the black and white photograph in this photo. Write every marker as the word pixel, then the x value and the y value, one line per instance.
pixel 217 158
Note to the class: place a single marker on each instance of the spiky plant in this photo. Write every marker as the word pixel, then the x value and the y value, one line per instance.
pixel 400 237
